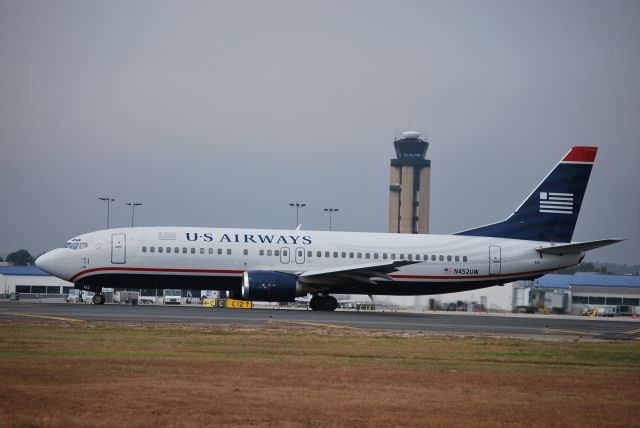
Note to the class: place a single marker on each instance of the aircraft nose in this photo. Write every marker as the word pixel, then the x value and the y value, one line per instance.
pixel 46 262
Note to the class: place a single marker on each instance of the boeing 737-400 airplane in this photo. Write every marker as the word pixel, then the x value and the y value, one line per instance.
pixel 280 265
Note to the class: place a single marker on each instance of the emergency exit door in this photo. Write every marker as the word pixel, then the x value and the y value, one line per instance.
pixel 494 260
pixel 118 248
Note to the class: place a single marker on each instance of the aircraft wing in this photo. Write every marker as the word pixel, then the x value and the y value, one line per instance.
pixel 361 273
pixel 576 247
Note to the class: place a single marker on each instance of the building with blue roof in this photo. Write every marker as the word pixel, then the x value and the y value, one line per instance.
pixel 584 291
pixel 31 281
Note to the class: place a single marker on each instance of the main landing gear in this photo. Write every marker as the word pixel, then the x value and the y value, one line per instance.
pixel 323 303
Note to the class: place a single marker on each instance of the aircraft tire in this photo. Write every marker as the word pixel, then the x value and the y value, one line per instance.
pixel 315 303
pixel 98 299
pixel 329 303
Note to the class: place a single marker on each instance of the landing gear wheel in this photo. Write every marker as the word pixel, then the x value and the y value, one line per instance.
pixel 329 303
pixel 98 299
pixel 315 303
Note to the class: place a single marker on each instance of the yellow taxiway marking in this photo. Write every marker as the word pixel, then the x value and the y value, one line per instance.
pixel 637 330
pixel 557 330
pixel 47 317
pixel 316 324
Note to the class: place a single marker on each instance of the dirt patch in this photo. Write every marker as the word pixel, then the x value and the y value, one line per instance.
pixel 101 374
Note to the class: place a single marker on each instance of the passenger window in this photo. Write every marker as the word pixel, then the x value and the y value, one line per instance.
pixel 168 249
pixel 464 258
pixel 201 250
pixel 410 256
pixel 401 256
pixel 193 250
pixel 335 254
pixel 219 250
pixel 384 256
pixel 367 256
pixel 152 249
pixel 210 250
pixel 319 253
pixel 393 256
pixel 229 251
pixel 359 255
pixel 441 258
pixel 375 256
pixel 425 257
pixel 309 253
pixel 184 250
pixel 327 254
pixel 269 252
pixel 144 249
pixel 245 252
pixel 261 252
pixel 160 249
pixel 351 255
pixel 448 258
pixel 433 257
pixel 344 255
pixel 285 253
pixel 176 250
pixel 276 253
pixel 457 258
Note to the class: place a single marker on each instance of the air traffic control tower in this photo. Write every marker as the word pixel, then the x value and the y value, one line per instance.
pixel 409 188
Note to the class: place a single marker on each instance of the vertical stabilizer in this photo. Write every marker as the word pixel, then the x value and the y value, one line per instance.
pixel 550 212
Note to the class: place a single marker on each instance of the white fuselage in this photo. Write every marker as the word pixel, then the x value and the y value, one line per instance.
pixel 216 258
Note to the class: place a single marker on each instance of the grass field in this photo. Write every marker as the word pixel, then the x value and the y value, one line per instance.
pixel 97 374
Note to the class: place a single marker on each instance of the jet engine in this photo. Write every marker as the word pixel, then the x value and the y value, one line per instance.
pixel 269 286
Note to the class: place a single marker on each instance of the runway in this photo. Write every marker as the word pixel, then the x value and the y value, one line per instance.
pixel 532 326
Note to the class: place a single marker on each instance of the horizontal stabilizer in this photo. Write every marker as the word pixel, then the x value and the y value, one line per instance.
pixel 577 247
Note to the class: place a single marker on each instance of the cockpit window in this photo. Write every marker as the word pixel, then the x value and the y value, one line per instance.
pixel 82 245
pixel 74 246
pixel 65 245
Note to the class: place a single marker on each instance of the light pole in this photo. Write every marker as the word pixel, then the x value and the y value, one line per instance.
pixel 331 211
pixel 297 206
pixel 108 201
pixel 133 206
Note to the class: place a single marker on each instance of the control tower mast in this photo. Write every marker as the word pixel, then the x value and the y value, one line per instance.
pixel 409 185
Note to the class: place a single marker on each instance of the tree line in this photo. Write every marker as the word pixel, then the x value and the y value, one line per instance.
pixel 20 258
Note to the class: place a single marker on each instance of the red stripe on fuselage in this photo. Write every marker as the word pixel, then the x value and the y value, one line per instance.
pixel 239 272
pixel 166 270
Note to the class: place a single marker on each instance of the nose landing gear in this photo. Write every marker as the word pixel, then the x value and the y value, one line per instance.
pixel 98 298
pixel 323 303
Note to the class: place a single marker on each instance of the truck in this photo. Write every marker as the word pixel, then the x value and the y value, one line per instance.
pixel 172 297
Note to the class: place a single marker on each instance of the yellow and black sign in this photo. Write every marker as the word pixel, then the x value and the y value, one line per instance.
pixel 365 307
pixel 227 303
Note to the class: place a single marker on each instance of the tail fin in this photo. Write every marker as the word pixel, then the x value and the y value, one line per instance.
pixel 551 210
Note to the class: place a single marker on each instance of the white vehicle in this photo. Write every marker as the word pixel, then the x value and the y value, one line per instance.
pixel 173 297
pixel 280 265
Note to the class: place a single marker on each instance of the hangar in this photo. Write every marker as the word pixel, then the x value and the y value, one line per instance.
pixel 579 292
pixel 30 280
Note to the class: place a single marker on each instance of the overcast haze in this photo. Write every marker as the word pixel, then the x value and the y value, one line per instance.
pixel 221 113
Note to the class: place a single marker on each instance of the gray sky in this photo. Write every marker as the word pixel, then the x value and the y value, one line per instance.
pixel 221 113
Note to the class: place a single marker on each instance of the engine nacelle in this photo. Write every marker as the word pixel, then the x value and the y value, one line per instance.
pixel 269 286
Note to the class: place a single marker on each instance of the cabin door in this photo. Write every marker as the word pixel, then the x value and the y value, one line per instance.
pixel 118 248
pixel 494 260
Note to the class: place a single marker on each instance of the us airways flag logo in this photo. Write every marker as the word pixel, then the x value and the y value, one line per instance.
pixel 556 203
